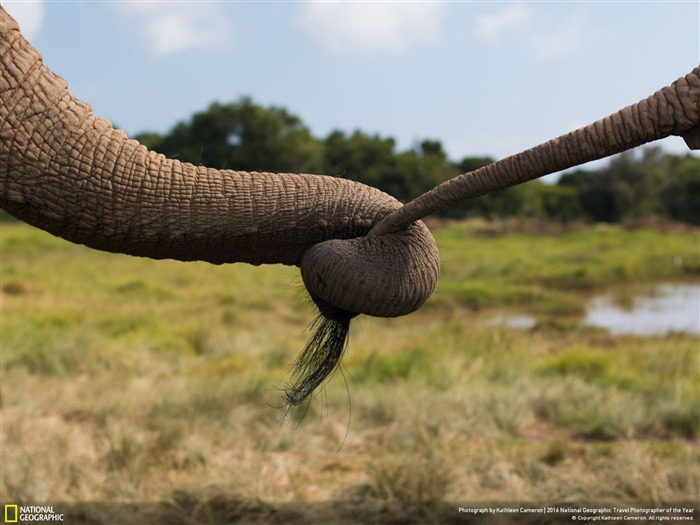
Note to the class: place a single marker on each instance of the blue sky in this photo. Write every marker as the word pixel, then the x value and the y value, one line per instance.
pixel 485 78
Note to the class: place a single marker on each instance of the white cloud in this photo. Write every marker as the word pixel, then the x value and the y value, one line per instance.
pixel 173 27
pixel 491 26
pixel 558 40
pixel 373 26
pixel 543 38
pixel 29 16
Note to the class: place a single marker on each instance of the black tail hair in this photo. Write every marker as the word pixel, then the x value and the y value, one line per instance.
pixel 321 355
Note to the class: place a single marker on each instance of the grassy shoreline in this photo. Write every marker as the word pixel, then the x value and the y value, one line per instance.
pixel 133 380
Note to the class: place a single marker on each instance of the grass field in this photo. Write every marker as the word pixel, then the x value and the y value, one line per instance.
pixel 156 382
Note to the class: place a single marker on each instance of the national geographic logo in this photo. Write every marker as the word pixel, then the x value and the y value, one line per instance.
pixel 30 514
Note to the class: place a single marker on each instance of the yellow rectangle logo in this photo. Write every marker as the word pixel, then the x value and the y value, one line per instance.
pixel 11 513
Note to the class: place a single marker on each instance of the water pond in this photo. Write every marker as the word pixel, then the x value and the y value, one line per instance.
pixel 663 309
pixel 666 308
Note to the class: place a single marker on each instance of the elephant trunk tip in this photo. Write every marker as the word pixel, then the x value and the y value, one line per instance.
pixel 383 276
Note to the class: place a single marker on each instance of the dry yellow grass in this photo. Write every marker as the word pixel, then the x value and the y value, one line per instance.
pixel 127 380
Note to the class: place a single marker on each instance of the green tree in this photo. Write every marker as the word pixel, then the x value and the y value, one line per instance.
pixel 633 185
pixel 559 203
pixel 595 198
pixel 244 136
pixel 373 160
pixel 358 157
pixel 680 198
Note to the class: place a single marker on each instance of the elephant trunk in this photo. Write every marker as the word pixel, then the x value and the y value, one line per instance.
pixel 70 173
pixel 673 110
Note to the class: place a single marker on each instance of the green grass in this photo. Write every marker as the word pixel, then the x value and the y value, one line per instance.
pixel 125 379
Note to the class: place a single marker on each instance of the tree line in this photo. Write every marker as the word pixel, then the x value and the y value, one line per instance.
pixel 245 136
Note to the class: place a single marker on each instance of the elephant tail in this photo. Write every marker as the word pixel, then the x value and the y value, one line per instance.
pixel 321 356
